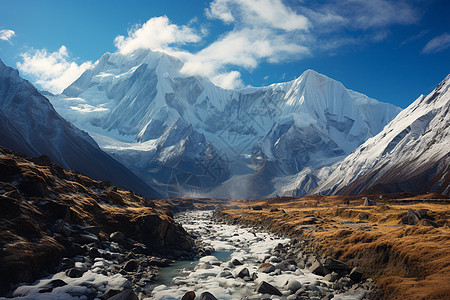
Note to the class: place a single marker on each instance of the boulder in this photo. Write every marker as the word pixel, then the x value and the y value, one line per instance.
pixel 128 294
pixel 189 296
pixel 293 285
pixel 257 207
pixel 266 288
pixel 236 262
pixel 75 272
pixel 356 274
pixel 131 265
pixel 207 296
pixel 335 265
pixel 266 268
pixel 318 269
pixel 243 273
pixel 117 236
pixel 51 285
pixel 368 202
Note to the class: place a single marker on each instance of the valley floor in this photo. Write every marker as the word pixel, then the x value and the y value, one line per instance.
pixel 406 261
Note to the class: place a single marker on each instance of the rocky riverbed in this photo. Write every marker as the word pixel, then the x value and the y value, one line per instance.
pixel 234 263
pixel 242 263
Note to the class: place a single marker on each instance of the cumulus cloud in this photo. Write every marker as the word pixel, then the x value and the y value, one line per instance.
pixel 7 35
pixel 53 71
pixel 264 30
pixel 437 44
pixel 156 34
pixel 271 13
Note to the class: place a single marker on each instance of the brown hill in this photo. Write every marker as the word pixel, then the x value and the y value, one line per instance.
pixel 47 212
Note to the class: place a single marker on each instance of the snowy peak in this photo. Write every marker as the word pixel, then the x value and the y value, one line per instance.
pixel 130 104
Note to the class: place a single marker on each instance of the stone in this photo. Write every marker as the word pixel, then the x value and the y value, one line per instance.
pixel 266 268
pixel 189 296
pixel 335 265
pixel 274 209
pixel 293 285
pixel 427 222
pixel 207 296
pixel 332 277
pixel 51 285
pixel 128 294
pixel 257 207
pixel 130 266
pixel 243 273
pixel 236 262
pixel 117 236
pixel 67 263
pixel 266 288
pixel 356 274
pixel 225 274
pixel 318 269
pixel 368 202
pixel 75 272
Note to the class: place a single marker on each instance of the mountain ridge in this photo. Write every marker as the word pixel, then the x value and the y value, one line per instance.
pixel 31 125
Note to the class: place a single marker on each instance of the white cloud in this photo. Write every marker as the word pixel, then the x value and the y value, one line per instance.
pixel 53 71
pixel 7 35
pixel 437 44
pixel 264 30
pixel 156 34
pixel 271 13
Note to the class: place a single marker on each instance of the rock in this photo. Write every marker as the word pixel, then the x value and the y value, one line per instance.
pixel 274 209
pixel 207 296
pixel 131 265
pixel 257 207
pixel 368 202
pixel 75 272
pixel 426 222
pixel 110 292
pixel 243 273
pixel 413 216
pixel 189 296
pixel 51 285
pixel 318 269
pixel 293 285
pixel 356 274
pixel 94 253
pixel 128 294
pixel 266 288
pixel 266 268
pixel 225 274
pixel 67 263
pixel 117 236
pixel 236 262
pixel 335 265
pixel 331 277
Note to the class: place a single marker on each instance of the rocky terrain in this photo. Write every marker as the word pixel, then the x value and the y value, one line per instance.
pixel 97 239
pixel 401 241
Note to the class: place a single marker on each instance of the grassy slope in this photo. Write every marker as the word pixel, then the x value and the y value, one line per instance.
pixel 408 262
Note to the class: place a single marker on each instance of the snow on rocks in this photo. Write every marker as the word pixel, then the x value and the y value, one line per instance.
pixel 249 264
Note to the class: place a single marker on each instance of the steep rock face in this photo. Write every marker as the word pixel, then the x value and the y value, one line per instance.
pixel 29 124
pixel 131 104
pixel 46 211
pixel 411 153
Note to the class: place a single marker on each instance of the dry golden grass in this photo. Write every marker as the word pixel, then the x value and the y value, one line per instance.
pixel 407 261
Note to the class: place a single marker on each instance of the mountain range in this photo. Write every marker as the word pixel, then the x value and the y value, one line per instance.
pixel 29 124
pixel 181 135
pixel 186 136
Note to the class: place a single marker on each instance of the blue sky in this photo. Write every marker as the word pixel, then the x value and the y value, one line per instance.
pixel 390 50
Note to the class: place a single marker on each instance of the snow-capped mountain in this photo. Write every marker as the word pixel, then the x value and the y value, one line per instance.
pixel 29 124
pixel 412 153
pixel 192 135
